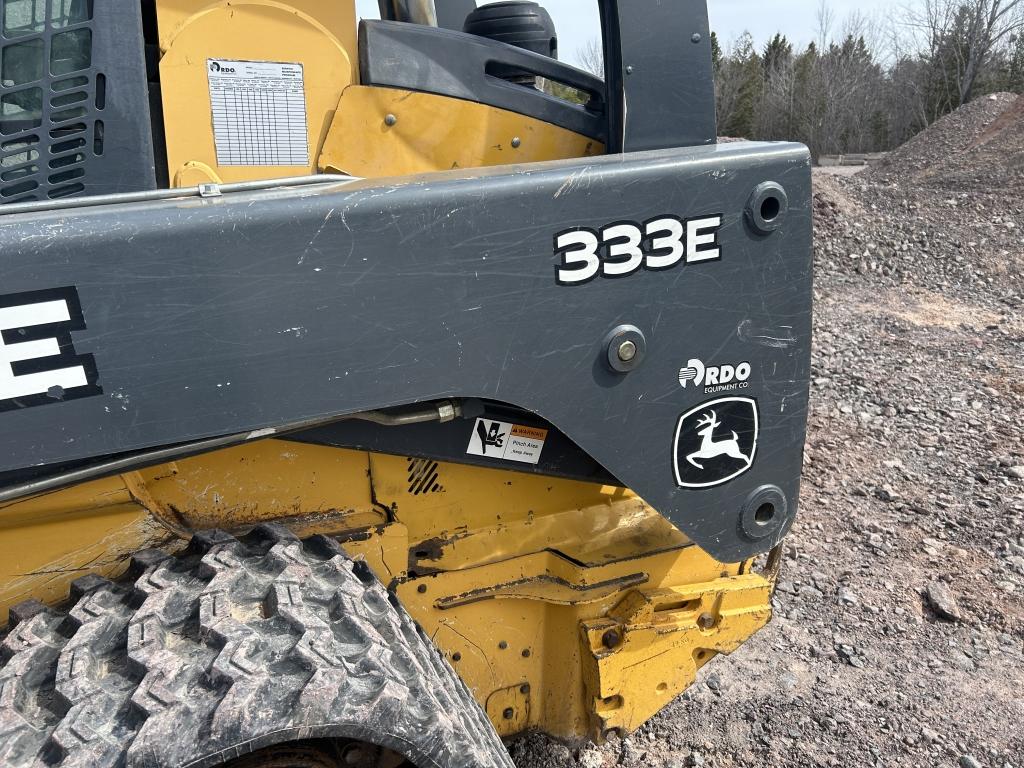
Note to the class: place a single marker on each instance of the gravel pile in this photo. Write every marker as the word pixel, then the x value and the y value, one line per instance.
pixel 982 144
pixel 995 159
pixel 898 637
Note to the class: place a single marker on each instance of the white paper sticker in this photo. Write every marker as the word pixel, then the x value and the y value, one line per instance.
pixel 259 112
pixel 510 442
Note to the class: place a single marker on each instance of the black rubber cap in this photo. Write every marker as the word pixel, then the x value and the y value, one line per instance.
pixel 522 23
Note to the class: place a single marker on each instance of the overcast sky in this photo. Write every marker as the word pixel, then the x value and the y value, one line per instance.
pixel 576 20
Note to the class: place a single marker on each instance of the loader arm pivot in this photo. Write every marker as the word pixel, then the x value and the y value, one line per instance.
pixel 302 306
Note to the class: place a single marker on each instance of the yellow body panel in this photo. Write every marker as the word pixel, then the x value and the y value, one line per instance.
pixel 319 35
pixel 388 132
pixel 682 627
pixel 48 541
pixel 513 575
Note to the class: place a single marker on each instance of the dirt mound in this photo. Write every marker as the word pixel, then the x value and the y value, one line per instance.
pixel 1009 119
pixel 832 203
pixel 980 144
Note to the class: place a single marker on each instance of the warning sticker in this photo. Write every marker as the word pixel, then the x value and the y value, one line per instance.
pixel 511 442
pixel 259 112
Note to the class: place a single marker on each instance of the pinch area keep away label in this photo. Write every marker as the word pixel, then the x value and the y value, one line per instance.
pixel 508 442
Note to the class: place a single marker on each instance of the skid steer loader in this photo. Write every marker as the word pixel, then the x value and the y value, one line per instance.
pixel 374 391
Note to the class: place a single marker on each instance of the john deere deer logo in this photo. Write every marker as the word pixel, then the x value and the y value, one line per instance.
pixel 712 449
pixel 716 442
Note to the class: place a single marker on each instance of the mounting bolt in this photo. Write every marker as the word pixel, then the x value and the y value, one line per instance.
pixel 706 621
pixel 696 37
pixel 503 645
pixel 625 348
pixel 611 639
pixel 509 713
pixel 516 142
pixel 390 119
pixel 421 588
pixel 629 69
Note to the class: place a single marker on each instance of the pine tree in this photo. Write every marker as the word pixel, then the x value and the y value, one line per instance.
pixel 778 53
pixel 716 52
pixel 747 73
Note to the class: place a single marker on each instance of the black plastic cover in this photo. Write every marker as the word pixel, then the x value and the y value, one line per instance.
pixel 463 66
pixel 522 23
pixel 74 105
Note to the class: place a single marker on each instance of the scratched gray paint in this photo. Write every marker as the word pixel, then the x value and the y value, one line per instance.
pixel 659 74
pixel 211 317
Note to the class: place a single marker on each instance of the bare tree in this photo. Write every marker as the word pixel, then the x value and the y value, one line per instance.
pixel 966 33
pixel 591 57
pixel 992 22
pixel 826 20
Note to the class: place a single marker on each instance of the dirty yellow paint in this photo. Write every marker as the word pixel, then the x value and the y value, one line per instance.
pixel 435 133
pixel 51 540
pixel 321 36
pixel 682 627
pixel 516 577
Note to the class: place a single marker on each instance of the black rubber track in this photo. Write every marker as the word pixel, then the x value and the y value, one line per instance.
pixel 230 647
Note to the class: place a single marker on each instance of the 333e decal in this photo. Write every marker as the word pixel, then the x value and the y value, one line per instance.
pixel 624 247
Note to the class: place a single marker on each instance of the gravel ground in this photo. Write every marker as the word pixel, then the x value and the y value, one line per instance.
pixel 898 637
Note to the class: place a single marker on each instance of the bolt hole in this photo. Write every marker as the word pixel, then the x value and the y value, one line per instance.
pixel 771 207
pixel 662 687
pixel 765 514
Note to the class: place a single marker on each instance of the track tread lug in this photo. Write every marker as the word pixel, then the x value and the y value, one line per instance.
pixel 229 646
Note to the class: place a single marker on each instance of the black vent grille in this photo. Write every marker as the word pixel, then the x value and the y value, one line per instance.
pixel 55 120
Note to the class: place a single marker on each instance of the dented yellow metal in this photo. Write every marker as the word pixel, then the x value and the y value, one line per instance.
pixel 518 578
